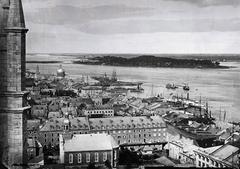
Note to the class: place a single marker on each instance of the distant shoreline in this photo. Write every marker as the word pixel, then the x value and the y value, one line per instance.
pixel 153 62
pixel 216 56
pixel 44 62
pixel 220 67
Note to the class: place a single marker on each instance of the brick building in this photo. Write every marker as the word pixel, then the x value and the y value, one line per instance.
pixel 80 150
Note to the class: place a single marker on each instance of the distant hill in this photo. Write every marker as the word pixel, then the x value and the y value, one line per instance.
pixel 215 57
pixel 151 61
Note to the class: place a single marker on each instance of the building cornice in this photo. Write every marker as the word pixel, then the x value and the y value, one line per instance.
pixel 14 94
pixel 14 110
pixel 16 30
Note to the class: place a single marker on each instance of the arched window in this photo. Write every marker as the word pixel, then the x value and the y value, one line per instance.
pixel 96 157
pixel 104 156
pixel 87 157
pixel 79 158
pixel 70 158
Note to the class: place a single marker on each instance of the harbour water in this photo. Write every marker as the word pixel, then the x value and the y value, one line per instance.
pixel 220 87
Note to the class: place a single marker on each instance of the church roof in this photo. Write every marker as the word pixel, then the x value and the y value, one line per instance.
pixel 90 142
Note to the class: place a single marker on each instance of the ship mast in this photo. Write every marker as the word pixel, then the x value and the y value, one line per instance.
pixel 200 101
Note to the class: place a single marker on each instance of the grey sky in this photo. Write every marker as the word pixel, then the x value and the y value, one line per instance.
pixel 133 26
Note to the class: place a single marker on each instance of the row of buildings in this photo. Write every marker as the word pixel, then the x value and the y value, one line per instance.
pixel 141 129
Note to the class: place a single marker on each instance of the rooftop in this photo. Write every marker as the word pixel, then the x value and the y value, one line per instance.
pixel 225 151
pixel 33 124
pixel 57 124
pixel 126 122
pixel 90 142
pixel 81 123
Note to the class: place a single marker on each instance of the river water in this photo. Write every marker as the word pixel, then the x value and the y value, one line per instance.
pixel 220 87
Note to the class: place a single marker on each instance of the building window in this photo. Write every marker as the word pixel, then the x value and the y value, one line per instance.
pixel 199 163
pixel 104 156
pixel 70 158
pixel 79 158
pixel 88 157
pixel 96 157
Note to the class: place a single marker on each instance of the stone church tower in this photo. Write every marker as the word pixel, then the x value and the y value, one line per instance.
pixel 13 105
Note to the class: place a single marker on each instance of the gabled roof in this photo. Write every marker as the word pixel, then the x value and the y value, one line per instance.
pixel 90 142
pixel 225 151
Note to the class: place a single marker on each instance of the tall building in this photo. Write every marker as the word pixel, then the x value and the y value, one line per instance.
pixel 13 105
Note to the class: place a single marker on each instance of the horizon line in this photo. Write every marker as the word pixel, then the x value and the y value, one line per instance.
pixel 83 53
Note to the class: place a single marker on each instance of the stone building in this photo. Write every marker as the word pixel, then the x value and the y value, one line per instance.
pixel 141 129
pixel 80 150
pixel 13 104
pixel 99 111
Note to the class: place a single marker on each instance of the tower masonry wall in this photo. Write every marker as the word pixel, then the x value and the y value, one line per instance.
pixel 13 121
